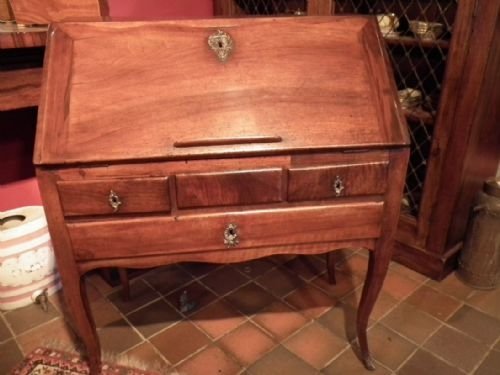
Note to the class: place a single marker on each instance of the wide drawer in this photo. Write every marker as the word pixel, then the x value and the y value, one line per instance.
pixel 229 188
pixel 325 182
pixel 236 230
pixel 114 196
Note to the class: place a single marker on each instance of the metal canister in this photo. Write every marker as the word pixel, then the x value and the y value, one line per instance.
pixel 479 261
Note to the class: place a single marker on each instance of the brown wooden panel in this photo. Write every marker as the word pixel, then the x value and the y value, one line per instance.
pixel 48 11
pixel 231 188
pixel 13 36
pixel 20 88
pixel 205 232
pixel 313 183
pixel 253 95
pixel 136 195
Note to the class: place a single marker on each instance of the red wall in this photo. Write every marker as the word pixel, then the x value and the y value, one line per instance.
pixel 160 9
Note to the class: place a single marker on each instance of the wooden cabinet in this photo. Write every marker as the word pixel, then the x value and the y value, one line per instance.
pixel 443 51
pixel 210 148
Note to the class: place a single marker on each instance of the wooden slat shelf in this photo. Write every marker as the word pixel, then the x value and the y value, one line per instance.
pixel 411 41
pixel 20 88
pixel 13 36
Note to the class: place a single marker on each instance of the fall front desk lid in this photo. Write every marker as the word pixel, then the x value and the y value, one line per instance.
pixel 215 88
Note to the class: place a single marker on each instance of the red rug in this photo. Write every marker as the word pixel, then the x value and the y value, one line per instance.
pixel 44 361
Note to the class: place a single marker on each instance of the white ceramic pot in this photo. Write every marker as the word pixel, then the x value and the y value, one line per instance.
pixel 27 263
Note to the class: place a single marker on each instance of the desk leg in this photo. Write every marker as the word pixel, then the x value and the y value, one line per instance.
pixel 378 265
pixel 78 305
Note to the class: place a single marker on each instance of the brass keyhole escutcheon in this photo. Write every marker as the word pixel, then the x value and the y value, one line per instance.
pixel 231 236
pixel 114 201
pixel 338 186
pixel 222 44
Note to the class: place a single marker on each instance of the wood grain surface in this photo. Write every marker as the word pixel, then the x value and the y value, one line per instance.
pixel 319 182
pixel 20 88
pixel 229 188
pixel 263 89
pixel 91 197
pixel 128 106
pixel 48 11
pixel 205 232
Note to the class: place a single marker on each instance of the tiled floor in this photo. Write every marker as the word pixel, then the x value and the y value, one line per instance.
pixel 276 316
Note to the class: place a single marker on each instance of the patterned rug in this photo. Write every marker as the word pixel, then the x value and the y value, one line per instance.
pixel 44 361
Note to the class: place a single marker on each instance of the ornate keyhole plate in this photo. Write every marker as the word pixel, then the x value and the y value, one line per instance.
pixel 231 236
pixel 338 186
pixel 114 201
pixel 221 43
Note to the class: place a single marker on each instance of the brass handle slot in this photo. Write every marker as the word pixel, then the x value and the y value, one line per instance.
pixel 338 186
pixel 231 236
pixel 227 141
pixel 7 219
pixel 114 201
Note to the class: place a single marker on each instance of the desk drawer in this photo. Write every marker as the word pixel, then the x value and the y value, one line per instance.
pixel 325 182
pixel 229 188
pixel 114 196
pixel 231 231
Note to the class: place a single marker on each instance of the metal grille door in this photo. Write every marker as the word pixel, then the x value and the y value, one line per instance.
pixel 272 7
pixel 417 33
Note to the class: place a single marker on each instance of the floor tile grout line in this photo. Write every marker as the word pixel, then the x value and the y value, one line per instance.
pixel 9 327
pixel 228 353
pixel 462 302
pixel 488 352
pixel 155 349
pixel 480 310
pixel 16 336
pixel 423 347
pixel 417 346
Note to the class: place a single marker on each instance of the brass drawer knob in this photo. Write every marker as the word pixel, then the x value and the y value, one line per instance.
pixel 231 236
pixel 114 201
pixel 338 186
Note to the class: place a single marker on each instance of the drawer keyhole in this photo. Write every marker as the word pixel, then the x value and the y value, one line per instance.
pixel 231 236
pixel 114 201
pixel 338 186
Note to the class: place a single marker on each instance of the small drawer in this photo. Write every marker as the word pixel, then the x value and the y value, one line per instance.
pixel 231 231
pixel 114 196
pixel 325 182
pixel 229 188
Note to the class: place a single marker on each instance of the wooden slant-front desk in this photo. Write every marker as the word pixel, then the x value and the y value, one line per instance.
pixel 218 141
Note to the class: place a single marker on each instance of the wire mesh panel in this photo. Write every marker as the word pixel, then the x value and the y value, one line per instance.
pixel 417 33
pixel 272 7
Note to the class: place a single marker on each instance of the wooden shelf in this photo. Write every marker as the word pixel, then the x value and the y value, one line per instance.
pixel 412 41
pixel 20 88
pixel 13 36
pixel 418 114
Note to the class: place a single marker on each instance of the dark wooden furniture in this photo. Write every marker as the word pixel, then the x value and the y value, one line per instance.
pixel 204 152
pixel 455 134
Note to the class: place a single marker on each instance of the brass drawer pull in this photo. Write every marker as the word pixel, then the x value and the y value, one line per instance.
pixel 231 236
pixel 114 201
pixel 338 186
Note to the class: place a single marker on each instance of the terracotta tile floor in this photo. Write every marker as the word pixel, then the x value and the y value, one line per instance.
pixel 276 316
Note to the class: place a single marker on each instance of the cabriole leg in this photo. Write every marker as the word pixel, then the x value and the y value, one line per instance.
pixel 378 264
pixel 78 306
